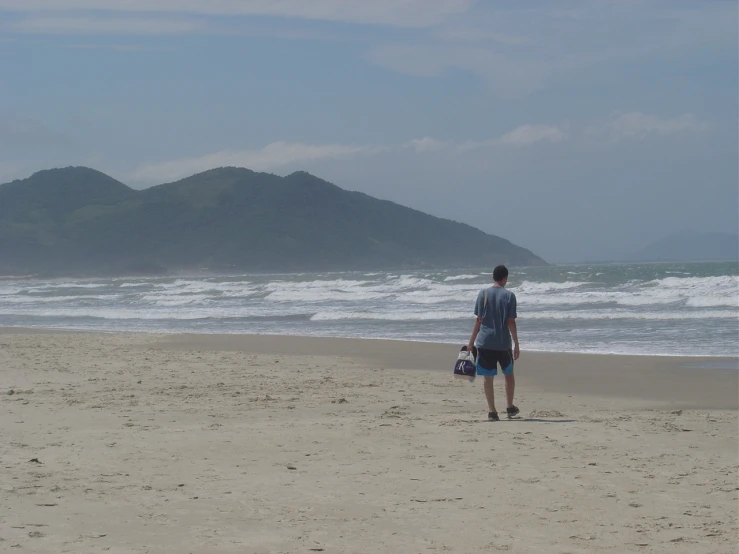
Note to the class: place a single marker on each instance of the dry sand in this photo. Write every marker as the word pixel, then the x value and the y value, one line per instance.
pixel 214 444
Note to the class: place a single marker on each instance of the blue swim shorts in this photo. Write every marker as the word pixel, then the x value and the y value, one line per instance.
pixel 489 360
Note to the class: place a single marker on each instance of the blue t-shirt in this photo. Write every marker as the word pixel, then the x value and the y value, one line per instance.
pixel 496 306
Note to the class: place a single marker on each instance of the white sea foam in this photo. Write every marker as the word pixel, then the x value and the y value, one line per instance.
pixel 728 283
pixel 410 282
pixel 65 285
pixel 460 277
pixel 568 300
pixel 713 301
pixel 179 300
pixel 323 296
pixel 26 299
pixel 165 313
pixel 336 315
pixel 6 290
pixel 318 283
pixel 439 294
pixel 573 314
pixel 553 315
pixel 692 292
pixel 634 315
pixel 696 291
pixel 531 287
pixel 326 291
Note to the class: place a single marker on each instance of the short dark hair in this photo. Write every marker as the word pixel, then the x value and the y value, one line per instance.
pixel 500 273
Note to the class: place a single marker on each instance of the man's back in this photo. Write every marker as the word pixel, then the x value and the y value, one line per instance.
pixel 493 334
pixel 495 305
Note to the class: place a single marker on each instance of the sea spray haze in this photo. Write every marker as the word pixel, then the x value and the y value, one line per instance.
pixel 670 309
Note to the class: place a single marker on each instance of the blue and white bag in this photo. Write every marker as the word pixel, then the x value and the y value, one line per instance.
pixel 466 367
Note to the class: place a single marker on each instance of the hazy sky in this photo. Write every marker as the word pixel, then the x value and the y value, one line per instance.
pixel 581 129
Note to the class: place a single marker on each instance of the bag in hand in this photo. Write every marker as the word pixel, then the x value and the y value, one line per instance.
pixel 465 368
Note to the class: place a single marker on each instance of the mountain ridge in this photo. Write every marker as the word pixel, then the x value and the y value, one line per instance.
pixel 77 219
pixel 690 246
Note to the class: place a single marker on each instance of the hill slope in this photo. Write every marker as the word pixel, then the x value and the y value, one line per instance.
pixel 80 220
pixel 689 246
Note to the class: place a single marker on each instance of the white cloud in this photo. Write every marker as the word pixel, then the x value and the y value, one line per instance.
pixel 525 135
pixel 485 34
pixel 508 74
pixel 637 125
pixel 519 48
pixel 531 134
pixel 402 13
pixel 272 156
pixel 427 144
pixel 408 59
pixel 634 125
pixel 282 154
pixel 622 126
pixel 104 25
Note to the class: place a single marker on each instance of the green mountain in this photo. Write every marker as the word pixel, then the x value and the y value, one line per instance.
pixel 78 220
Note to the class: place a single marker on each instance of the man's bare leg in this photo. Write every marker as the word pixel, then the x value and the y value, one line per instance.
pixel 489 393
pixel 510 385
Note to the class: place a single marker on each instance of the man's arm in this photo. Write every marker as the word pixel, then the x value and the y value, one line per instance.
pixel 514 336
pixel 475 330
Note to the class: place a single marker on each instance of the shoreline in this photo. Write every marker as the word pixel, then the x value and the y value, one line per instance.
pixel 672 381
pixel 718 361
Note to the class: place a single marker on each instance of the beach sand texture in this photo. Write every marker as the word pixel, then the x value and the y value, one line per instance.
pixel 211 444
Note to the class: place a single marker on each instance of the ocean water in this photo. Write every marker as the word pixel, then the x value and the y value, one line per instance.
pixel 652 309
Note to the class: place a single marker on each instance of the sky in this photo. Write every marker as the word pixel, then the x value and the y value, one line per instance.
pixel 580 129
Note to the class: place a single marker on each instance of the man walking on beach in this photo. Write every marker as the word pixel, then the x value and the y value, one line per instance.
pixel 491 336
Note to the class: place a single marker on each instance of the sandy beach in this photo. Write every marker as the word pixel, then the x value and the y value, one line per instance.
pixel 135 443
